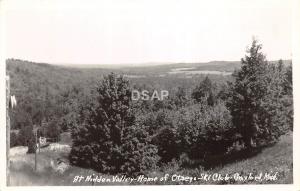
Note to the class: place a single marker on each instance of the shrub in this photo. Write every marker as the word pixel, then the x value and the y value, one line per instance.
pixel 14 139
pixel 166 141
pixel 138 153
pixel 154 121
pixel 205 130
pixel 52 129
pixel 26 138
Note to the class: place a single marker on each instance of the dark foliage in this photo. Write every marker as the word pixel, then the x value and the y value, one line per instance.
pixel 26 137
pixel 14 139
pixel 102 141
pixel 167 143
pixel 257 101
pixel 204 91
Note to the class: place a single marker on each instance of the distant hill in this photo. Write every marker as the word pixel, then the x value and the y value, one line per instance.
pixel 162 68
pixel 25 74
pixel 213 65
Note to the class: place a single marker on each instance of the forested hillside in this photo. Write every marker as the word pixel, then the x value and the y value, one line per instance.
pixel 47 97
pixel 45 92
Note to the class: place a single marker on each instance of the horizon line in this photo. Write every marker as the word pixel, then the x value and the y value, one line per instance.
pixel 141 64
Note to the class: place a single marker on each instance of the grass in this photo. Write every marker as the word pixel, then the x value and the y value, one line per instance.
pixel 278 158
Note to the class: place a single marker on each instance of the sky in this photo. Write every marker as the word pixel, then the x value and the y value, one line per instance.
pixel 145 31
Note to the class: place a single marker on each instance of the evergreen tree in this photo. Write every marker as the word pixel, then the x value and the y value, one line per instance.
pixel 248 90
pixel 100 136
pixel 204 91
pixel 180 98
pixel 256 105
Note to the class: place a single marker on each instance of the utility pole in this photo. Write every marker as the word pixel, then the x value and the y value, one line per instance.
pixel 35 157
pixel 7 130
pixel 39 140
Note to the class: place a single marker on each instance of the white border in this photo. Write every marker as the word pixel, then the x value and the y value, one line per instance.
pixel 296 143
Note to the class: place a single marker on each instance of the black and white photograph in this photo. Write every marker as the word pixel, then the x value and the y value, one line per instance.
pixel 140 92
